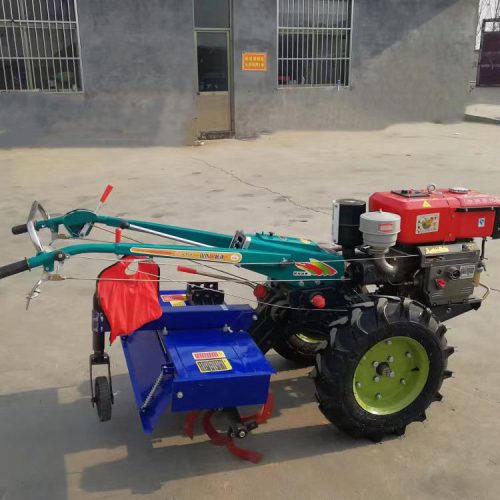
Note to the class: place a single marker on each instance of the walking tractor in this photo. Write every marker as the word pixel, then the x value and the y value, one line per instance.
pixel 367 310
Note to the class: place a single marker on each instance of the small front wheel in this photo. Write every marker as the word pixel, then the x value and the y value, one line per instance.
pixel 103 398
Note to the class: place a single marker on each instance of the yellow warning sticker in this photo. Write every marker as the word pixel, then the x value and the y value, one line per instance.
pixel 177 303
pixel 230 257
pixel 426 204
pixel 214 365
pixel 436 250
pixel 175 296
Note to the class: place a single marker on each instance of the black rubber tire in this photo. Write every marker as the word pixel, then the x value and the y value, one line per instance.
pixel 378 319
pixel 293 348
pixel 273 330
pixel 103 398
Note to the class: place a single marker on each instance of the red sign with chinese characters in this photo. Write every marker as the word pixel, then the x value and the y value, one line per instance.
pixel 254 61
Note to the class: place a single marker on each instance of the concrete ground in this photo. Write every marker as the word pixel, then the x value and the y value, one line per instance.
pixel 484 106
pixel 53 447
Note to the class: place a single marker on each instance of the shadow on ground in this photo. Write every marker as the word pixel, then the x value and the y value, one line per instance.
pixel 53 439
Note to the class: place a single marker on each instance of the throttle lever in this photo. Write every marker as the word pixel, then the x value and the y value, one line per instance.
pixel 102 201
pixel 36 290
pixel 37 287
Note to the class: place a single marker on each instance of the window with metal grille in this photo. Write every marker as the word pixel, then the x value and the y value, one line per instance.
pixel 314 43
pixel 39 46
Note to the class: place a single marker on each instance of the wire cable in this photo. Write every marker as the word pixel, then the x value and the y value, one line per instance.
pixel 282 263
pixel 161 280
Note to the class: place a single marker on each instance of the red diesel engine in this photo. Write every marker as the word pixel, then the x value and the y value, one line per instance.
pixel 420 244
pixel 442 215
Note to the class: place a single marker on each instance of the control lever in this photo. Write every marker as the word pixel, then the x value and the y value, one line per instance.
pixel 102 201
pixel 37 287
pixel 36 290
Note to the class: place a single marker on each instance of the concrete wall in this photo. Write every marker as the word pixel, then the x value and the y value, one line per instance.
pixel 138 68
pixel 411 62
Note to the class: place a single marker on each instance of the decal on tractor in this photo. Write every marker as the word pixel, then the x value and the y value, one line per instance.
pixel 227 257
pixel 212 361
pixel 178 303
pixel 314 268
pixel 436 250
pixel 386 227
pixel 214 365
pixel 427 223
pixel 208 355
pixel 176 297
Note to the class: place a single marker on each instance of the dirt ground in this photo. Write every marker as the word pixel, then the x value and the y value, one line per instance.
pixel 52 446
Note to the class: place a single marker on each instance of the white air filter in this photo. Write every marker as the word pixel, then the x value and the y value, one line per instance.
pixel 380 229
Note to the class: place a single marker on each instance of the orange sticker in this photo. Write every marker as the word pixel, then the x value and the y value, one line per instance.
pixel 254 61
pixel 170 298
pixel 230 257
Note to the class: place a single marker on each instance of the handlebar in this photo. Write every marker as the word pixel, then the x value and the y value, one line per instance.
pixel 21 229
pixel 74 222
pixel 35 208
pixel 14 268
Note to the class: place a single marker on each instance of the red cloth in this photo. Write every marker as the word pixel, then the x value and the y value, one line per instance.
pixel 127 303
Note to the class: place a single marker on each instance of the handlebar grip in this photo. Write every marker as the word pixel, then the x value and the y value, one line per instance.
pixel 183 269
pixel 106 193
pixel 21 229
pixel 15 268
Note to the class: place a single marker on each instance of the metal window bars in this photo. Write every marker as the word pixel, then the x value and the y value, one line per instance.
pixel 314 43
pixel 40 46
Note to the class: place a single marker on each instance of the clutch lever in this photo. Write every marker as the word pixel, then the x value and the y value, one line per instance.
pixel 37 287
pixel 36 290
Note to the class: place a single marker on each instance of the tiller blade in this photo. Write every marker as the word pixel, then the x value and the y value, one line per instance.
pixel 239 427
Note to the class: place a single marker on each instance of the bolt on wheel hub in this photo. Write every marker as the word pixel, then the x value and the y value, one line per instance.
pixel 381 388
pixel 384 369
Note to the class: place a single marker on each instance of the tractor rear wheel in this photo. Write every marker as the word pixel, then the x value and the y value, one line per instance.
pixel 300 344
pixel 384 366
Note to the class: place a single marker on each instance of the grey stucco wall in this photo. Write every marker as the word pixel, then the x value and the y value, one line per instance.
pixel 411 62
pixel 138 68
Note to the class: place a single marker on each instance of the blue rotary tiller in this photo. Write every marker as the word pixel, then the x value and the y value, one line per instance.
pixel 198 355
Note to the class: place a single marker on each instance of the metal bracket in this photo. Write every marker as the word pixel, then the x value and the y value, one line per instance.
pixel 237 427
